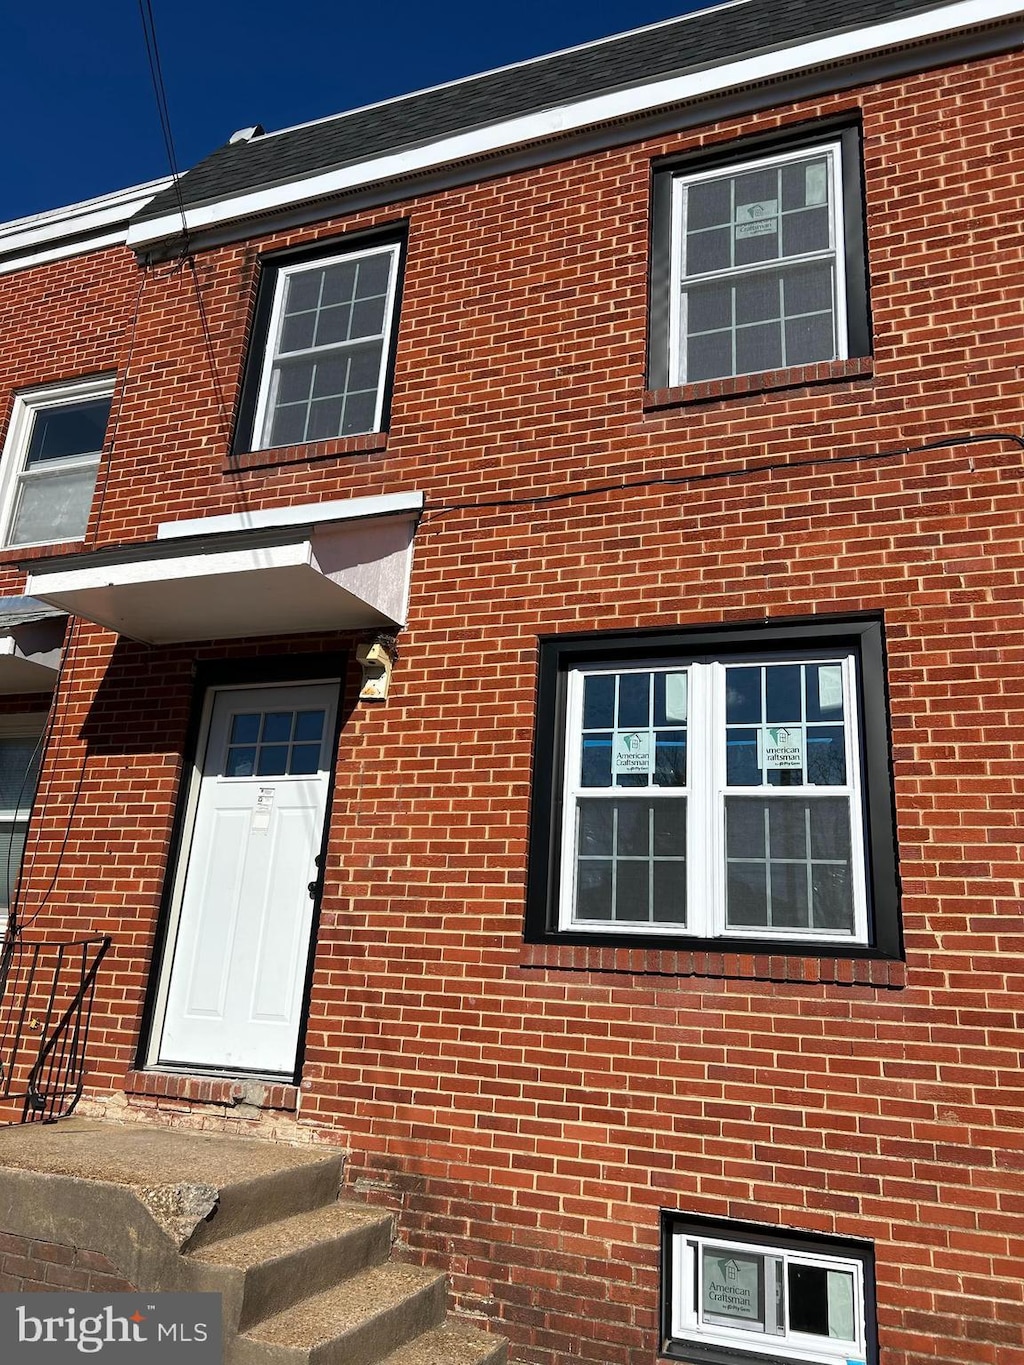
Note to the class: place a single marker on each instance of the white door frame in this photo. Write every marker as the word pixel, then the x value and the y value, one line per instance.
pixel 181 856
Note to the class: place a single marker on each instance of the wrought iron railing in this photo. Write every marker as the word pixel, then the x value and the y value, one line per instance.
pixel 46 997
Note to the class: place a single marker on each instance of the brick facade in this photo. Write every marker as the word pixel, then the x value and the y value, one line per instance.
pixel 531 1108
pixel 31 1266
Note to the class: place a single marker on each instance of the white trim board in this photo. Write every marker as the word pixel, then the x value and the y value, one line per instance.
pixel 75 228
pixel 304 514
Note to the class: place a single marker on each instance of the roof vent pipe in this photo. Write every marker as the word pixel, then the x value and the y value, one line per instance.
pixel 247 134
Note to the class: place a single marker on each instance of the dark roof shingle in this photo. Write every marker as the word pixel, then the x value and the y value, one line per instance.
pixel 702 39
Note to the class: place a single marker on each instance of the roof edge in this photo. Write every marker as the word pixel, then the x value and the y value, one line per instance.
pixel 913 32
pixel 74 229
pixel 505 67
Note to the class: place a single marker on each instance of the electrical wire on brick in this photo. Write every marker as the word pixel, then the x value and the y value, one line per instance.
pixel 719 475
pixel 51 731
pixel 164 114
pixel 163 108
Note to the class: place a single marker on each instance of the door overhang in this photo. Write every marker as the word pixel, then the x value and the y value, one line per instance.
pixel 31 636
pixel 319 567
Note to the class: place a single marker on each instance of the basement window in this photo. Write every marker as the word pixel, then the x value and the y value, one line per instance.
pixel 735 1293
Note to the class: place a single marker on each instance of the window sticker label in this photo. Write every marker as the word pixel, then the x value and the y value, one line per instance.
pixel 830 687
pixel 675 696
pixel 780 746
pixel 261 812
pixel 756 220
pixel 816 183
pixel 732 1286
pixel 840 1305
pixel 632 752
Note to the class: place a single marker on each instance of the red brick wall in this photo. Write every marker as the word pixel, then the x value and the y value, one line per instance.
pixel 27 1265
pixel 531 1115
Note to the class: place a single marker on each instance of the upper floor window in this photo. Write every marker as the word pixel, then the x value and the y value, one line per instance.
pixel 50 461
pixel 761 262
pixel 719 788
pixel 328 325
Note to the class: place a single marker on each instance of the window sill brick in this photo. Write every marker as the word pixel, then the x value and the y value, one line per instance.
pixel 799 376
pixel 832 971
pixel 212 1090
pixel 370 443
pixel 15 555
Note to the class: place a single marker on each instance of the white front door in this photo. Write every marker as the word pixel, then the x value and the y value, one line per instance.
pixel 234 992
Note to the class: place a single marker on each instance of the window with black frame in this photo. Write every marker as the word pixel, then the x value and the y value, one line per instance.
pixel 323 345
pixel 736 795
pixel 759 260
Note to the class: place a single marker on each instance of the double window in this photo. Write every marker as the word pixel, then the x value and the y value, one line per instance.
pixel 734 1293
pixel 758 261
pixel 50 461
pixel 719 786
pixel 324 341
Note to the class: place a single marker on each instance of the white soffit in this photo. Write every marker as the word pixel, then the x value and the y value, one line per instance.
pixel 852 44
pixel 324 567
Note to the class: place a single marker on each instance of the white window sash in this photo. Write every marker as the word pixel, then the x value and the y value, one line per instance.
pixel 851 792
pixel 686 1298
pixel 265 404
pixel 706 793
pixel 574 792
pixel 13 473
pixel 835 253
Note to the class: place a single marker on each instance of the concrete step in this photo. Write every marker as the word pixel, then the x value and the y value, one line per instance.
pixel 248 1203
pixel 304 1276
pixel 267 1269
pixel 450 1345
pixel 358 1322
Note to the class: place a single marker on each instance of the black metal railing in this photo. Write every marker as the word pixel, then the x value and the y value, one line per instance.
pixel 46 997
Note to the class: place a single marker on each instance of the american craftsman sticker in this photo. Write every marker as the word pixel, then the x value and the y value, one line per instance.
pixel 780 746
pixel 756 220
pixel 632 752
pixel 732 1285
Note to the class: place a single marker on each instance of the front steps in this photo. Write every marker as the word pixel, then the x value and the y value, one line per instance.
pixel 305 1278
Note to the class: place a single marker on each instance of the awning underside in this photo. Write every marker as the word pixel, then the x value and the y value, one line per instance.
pixel 347 574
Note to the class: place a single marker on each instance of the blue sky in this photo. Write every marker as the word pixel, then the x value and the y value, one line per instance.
pixel 77 103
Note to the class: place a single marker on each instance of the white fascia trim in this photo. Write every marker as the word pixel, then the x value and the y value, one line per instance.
pixel 308 514
pixel 74 228
pixel 61 253
pixel 584 113
pixel 133 572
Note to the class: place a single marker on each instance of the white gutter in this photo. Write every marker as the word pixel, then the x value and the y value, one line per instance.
pixel 584 113
pixel 74 228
